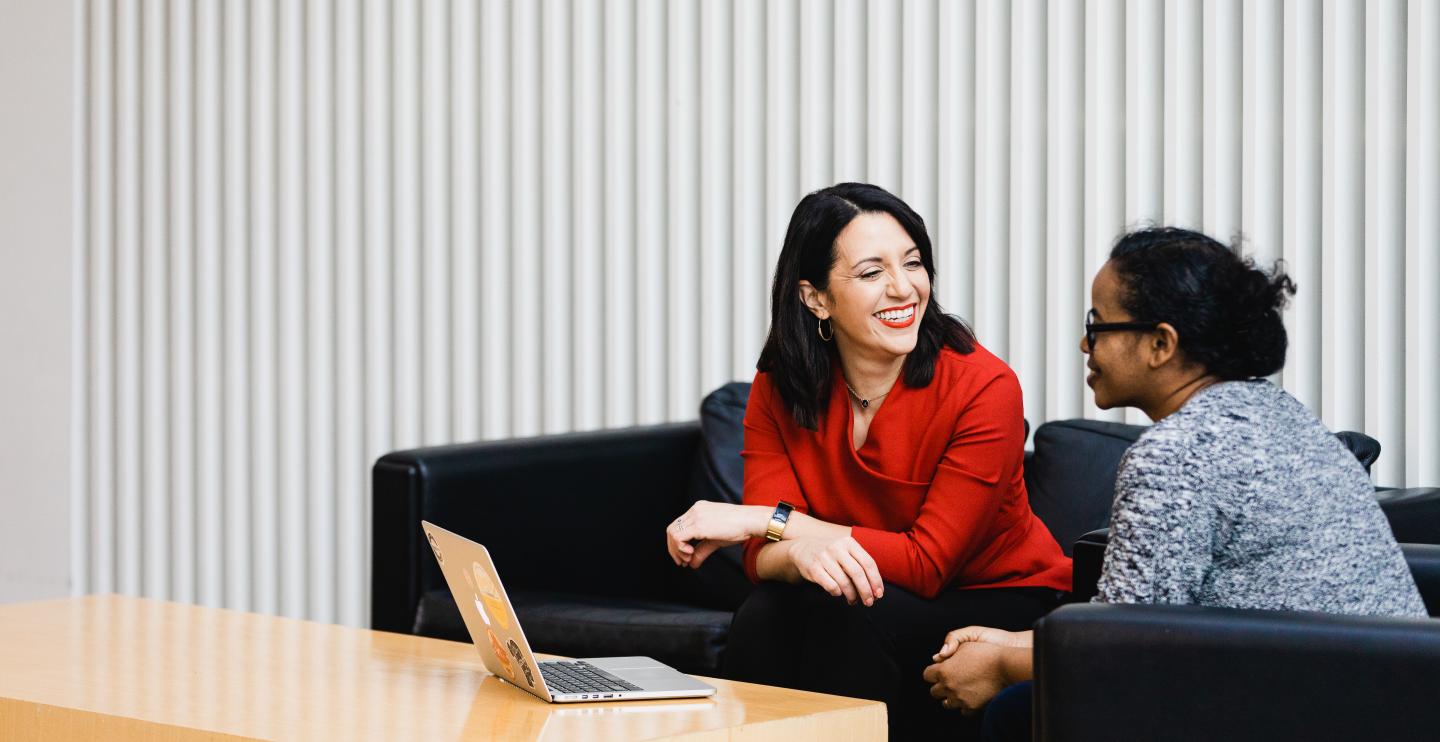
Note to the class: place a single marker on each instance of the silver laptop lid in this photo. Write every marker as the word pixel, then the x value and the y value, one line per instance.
pixel 486 608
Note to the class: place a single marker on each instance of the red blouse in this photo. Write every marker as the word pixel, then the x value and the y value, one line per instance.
pixel 937 492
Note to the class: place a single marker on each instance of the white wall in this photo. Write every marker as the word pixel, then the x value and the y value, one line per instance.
pixel 313 232
pixel 37 406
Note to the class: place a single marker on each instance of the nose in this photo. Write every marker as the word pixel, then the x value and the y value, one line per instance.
pixel 900 285
pixel 1084 344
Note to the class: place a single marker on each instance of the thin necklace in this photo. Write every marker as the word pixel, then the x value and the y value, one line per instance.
pixel 865 403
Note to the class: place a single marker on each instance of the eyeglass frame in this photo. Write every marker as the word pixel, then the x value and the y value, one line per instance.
pixel 1093 328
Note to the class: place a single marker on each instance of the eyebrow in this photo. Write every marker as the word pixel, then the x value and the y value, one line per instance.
pixel 877 259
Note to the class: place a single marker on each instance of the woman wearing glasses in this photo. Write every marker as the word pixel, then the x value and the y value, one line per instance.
pixel 1238 496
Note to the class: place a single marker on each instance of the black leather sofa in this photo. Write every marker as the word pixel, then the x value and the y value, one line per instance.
pixel 1125 672
pixel 575 524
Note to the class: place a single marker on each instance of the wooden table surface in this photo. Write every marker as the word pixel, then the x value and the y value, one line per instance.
pixel 118 668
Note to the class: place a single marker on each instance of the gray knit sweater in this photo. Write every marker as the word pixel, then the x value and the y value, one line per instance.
pixel 1242 498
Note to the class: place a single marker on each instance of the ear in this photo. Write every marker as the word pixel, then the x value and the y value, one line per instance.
pixel 814 299
pixel 1164 345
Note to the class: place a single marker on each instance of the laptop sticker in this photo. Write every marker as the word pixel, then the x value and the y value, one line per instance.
pixel 515 652
pixel 491 595
pixel 501 655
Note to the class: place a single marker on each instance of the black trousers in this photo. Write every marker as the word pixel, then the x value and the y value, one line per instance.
pixel 799 636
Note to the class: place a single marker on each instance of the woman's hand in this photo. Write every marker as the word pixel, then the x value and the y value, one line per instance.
pixel 972 675
pixel 840 566
pixel 710 526
pixel 984 634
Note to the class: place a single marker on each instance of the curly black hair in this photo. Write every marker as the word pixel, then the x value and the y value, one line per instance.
pixel 1224 308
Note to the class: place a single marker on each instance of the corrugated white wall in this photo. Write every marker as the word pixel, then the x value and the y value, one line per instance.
pixel 314 232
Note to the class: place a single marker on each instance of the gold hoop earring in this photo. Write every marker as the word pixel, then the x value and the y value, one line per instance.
pixel 820 330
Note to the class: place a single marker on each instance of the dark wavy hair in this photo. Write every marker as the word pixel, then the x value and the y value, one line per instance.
pixel 1224 308
pixel 798 361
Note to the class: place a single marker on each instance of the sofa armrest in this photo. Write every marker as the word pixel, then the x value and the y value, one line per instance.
pixel 1088 553
pixel 1108 672
pixel 579 512
pixel 1413 513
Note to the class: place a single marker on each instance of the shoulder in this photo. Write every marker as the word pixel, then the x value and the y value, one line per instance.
pixel 1221 427
pixel 975 371
pixel 971 387
pixel 763 395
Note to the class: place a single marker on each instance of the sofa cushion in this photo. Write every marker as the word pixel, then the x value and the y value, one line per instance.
pixel 719 475
pixel 1414 514
pixel 1424 561
pixel 686 637
pixel 1071 475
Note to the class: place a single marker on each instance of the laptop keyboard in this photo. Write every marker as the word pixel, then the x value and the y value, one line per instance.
pixel 581 677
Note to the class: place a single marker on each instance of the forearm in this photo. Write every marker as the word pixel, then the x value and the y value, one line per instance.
pixel 800 525
pixel 773 563
pixel 1017 664
pixel 803 525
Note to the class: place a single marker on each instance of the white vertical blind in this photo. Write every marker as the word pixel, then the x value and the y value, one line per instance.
pixel 717 212
pixel 1422 235
pixel 1222 96
pixel 752 174
pixel 1261 146
pixel 991 275
pixel 650 211
pixel 1107 79
pixel 587 312
pixel 1029 205
pixel 1384 239
pixel 681 205
pixel 1300 233
pixel 296 202
pixel 314 232
pixel 1066 291
pixel 182 524
pixel 620 326
pixel 1342 206
pixel 955 222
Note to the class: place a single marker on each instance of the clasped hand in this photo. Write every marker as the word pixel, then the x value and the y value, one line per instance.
pixel 969 669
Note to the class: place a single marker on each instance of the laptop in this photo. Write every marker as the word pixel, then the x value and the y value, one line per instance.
pixel 496 631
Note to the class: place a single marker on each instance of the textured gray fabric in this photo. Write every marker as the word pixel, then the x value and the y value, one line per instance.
pixel 1243 499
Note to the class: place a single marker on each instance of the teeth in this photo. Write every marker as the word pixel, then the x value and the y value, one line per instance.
pixel 897 315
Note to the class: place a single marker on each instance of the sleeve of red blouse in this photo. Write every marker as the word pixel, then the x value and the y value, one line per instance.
pixel 769 476
pixel 986 448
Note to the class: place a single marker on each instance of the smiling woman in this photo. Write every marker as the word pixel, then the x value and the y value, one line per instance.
pixel 883 452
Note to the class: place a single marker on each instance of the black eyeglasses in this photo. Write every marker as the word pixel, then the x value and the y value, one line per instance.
pixel 1092 327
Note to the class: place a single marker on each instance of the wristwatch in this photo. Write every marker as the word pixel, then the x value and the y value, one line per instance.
pixel 778 519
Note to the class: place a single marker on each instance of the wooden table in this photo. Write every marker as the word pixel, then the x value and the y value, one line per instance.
pixel 116 668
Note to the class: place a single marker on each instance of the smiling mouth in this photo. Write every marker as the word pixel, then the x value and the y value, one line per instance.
pixel 897 317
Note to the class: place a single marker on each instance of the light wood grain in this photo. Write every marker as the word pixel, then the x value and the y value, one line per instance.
pixel 110 667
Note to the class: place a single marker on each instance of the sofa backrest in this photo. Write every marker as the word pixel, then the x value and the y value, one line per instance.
pixel 1071 474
